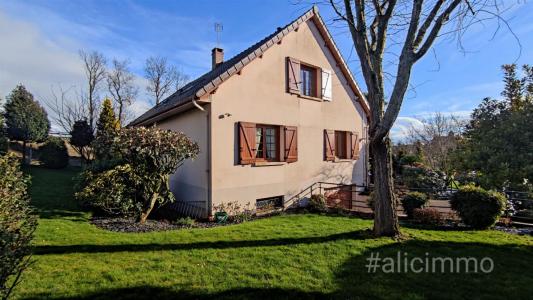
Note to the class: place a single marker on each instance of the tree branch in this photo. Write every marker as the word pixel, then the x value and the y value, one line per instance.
pixel 433 34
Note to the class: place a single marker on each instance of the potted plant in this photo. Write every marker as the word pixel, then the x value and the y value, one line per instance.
pixel 221 216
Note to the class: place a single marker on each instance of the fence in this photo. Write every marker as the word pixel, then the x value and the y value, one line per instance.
pixel 355 198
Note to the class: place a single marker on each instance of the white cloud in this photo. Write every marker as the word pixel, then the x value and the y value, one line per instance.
pixel 401 127
pixel 28 57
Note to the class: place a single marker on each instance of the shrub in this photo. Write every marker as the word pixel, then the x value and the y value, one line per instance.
pixel 317 202
pixel 17 224
pixel 243 216
pixel 3 137
pixel 428 216
pixel 409 159
pixel 111 191
pixel 153 155
pixel 478 207
pixel 54 153
pixel 412 201
pixel 185 221
pixel 422 177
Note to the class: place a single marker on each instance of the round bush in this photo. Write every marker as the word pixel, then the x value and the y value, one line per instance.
pixel 414 200
pixel 54 153
pixel 428 216
pixel 478 207
pixel 317 202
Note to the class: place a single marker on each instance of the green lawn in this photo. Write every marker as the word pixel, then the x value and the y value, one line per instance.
pixel 284 257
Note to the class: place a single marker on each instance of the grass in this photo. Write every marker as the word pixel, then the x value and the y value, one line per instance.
pixel 285 257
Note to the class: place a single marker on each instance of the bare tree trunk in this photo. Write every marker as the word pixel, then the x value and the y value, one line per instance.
pixel 148 209
pixel 385 217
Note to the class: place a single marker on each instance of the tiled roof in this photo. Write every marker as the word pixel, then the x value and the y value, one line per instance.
pixel 211 80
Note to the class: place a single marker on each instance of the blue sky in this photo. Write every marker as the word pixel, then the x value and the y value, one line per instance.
pixel 40 41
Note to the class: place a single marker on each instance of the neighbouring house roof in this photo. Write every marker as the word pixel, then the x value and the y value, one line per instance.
pixel 208 82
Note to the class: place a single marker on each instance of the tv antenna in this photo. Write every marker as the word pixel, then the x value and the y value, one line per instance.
pixel 218 30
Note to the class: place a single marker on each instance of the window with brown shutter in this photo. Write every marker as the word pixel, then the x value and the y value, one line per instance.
pixel 291 144
pixel 341 145
pixel 354 145
pixel 247 143
pixel 329 145
pixel 309 81
pixel 267 142
pixel 293 75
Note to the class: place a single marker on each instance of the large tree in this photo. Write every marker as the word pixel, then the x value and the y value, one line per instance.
pixel 94 64
pixel 121 86
pixel 26 120
pixel 406 30
pixel 163 78
pixel 498 139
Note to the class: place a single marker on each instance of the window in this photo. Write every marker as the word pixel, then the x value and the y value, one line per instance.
pixel 340 145
pixel 308 80
pixel 266 142
pixel 308 77
pixel 268 203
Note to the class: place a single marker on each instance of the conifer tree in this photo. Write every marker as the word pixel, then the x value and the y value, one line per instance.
pixel 107 122
pixel 25 119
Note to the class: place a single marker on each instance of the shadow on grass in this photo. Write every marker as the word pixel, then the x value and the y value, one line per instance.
pixel 510 278
pixel 161 293
pixel 353 235
pixel 77 216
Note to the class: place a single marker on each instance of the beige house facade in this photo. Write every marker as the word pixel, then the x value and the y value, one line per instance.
pixel 278 117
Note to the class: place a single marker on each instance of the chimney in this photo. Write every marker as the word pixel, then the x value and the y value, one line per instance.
pixel 217 56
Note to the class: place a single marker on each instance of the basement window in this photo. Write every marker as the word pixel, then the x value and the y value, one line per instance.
pixel 265 204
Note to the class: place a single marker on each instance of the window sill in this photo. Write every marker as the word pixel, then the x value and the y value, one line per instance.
pixel 268 163
pixel 310 98
pixel 341 160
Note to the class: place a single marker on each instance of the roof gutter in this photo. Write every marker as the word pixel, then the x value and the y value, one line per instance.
pixel 165 114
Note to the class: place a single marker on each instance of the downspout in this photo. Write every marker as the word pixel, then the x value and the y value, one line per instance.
pixel 367 155
pixel 208 142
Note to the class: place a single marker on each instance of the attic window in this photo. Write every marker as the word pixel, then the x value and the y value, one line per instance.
pixel 308 76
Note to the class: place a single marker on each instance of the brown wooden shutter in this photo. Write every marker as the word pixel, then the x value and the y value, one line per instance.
pixel 329 145
pixel 293 75
pixel 354 144
pixel 247 145
pixel 318 83
pixel 291 144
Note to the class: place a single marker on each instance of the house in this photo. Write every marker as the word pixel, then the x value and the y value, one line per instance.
pixel 276 118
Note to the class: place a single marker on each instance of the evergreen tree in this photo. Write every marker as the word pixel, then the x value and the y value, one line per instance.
pixel 498 140
pixel 107 122
pixel 107 128
pixel 81 137
pixel 26 120
pixel 512 91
